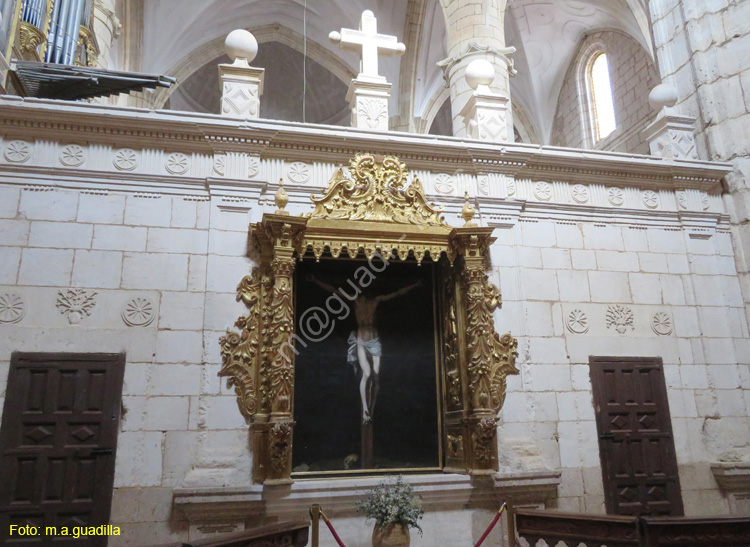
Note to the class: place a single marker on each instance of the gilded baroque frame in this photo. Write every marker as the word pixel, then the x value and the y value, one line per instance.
pixel 373 211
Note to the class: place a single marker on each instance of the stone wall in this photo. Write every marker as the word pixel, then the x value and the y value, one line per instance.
pixel 701 47
pixel 632 76
pixel 552 271
pixel 153 208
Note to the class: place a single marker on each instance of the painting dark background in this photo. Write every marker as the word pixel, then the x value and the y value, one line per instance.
pixel 327 407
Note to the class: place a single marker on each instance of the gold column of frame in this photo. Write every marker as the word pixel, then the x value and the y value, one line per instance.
pixel 487 358
pixel 260 360
pixel 374 212
pixel 279 354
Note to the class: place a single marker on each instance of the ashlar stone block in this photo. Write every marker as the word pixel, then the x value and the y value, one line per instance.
pixel 100 269
pixel 139 459
pixel 99 209
pixel 155 271
pixel 48 205
pixel 119 238
pixel 49 267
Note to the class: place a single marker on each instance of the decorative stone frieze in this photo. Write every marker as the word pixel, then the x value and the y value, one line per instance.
pixel 661 323
pixel 577 322
pixel 620 318
pixel 177 163
pixel 616 196
pixel 17 151
pixel 12 308
pixel 125 159
pixel 298 172
pixel 632 320
pixel 444 183
pixel 76 303
pixel 650 199
pixel 72 155
pixel 138 312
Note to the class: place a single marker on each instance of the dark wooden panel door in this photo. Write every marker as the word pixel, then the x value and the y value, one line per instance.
pixel 635 437
pixel 57 442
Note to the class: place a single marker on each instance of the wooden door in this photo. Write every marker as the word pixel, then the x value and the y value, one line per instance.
pixel 636 446
pixel 57 442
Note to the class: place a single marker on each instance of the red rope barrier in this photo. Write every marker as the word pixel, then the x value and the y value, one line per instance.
pixel 331 528
pixel 491 526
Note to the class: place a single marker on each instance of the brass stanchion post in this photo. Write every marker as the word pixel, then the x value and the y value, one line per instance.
pixel 511 523
pixel 315 515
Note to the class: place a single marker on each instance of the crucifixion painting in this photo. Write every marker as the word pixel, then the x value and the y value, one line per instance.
pixel 365 348
pixel 366 387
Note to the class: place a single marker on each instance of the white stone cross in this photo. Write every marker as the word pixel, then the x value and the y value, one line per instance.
pixel 370 43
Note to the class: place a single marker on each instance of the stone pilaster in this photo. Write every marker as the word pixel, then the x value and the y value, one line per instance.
pixel 485 113
pixel 241 84
pixel 672 136
pixel 107 29
pixel 241 88
pixel 369 104
pixel 475 30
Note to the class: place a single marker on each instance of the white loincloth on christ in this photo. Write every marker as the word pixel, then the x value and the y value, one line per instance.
pixel 372 347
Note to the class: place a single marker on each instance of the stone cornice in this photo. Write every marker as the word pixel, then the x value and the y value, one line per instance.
pixel 732 476
pixel 33 119
pixel 337 497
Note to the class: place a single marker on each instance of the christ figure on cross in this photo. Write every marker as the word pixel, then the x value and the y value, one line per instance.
pixel 365 348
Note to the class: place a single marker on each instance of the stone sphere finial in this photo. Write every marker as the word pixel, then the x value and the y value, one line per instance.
pixel 662 95
pixel 241 45
pixel 480 72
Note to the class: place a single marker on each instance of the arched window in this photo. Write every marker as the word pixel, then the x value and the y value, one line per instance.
pixel 600 95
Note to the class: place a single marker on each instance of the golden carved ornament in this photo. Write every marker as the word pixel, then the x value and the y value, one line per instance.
pixel 455 446
pixel 491 357
pixel 87 41
pixel 468 213
pixel 370 249
pixel 450 340
pixel 376 192
pixel 280 352
pixel 484 440
pixel 281 447
pixel 30 38
pixel 240 352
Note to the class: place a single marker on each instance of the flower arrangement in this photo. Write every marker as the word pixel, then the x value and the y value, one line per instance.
pixel 392 503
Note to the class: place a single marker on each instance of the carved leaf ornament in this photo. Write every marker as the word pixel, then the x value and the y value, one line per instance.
pixel 376 192
pixel 259 359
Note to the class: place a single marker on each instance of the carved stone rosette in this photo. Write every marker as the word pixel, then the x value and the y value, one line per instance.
pixel 373 211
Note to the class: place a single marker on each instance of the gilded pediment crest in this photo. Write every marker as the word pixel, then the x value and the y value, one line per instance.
pixel 376 191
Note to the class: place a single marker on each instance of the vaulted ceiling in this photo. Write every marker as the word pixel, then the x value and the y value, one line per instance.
pixel 184 38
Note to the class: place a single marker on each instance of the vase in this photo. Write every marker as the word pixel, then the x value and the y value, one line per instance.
pixel 392 535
